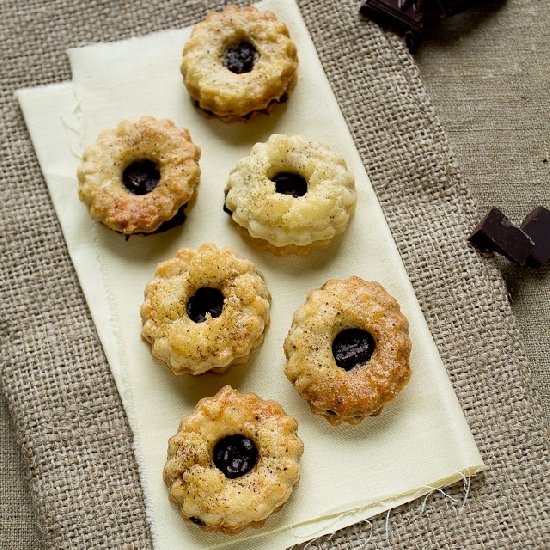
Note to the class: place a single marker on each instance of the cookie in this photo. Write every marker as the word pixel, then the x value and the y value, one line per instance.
pixel 139 175
pixel 205 310
pixel 239 63
pixel 348 350
pixel 233 461
pixel 290 195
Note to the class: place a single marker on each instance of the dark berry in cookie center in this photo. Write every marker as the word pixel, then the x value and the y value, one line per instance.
pixel 141 177
pixel 235 455
pixel 205 300
pixel 240 58
pixel 352 347
pixel 290 183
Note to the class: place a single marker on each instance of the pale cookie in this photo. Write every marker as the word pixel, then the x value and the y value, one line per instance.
pixel 205 310
pixel 291 195
pixel 239 62
pixel 233 461
pixel 348 350
pixel 139 175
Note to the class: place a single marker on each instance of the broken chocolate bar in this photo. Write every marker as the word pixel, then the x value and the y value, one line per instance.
pixel 411 16
pixel 407 15
pixel 497 233
pixel 537 226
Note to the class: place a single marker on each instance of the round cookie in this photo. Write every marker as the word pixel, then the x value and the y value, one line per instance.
pixel 290 195
pixel 233 461
pixel 205 310
pixel 139 175
pixel 238 63
pixel 348 350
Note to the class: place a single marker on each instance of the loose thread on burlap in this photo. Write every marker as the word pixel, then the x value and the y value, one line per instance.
pixel 387 525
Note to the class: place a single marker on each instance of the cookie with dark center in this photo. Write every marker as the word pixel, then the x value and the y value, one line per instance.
pixel 240 58
pixel 205 300
pixel 290 183
pixel 235 455
pixel 352 347
pixel 141 176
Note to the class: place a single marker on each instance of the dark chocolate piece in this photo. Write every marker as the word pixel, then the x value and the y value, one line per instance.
pixel 205 300
pixel 235 455
pixel 537 226
pixel 240 58
pixel 497 233
pixel 290 183
pixel 352 348
pixel 141 177
pixel 407 15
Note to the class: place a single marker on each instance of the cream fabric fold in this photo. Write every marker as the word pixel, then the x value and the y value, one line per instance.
pixel 419 443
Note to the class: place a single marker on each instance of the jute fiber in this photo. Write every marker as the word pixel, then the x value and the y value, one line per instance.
pixel 69 421
pixel 487 72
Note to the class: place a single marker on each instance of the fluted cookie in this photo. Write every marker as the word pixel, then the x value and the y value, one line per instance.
pixel 205 310
pixel 348 350
pixel 233 461
pixel 139 175
pixel 291 195
pixel 239 62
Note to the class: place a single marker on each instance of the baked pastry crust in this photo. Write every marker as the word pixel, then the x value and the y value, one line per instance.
pixel 202 492
pixel 285 224
pixel 100 174
pixel 218 342
pixel 332 392
pixel 282 223
pixel 233 96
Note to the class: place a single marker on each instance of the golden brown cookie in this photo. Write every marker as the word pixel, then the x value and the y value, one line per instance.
pixel 291 195
pixel 139 175
pixel 206 309
pixel 348 350
pixel 233 461
pixel 239 62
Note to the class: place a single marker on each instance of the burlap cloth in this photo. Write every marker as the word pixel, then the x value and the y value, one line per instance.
pixel 69 422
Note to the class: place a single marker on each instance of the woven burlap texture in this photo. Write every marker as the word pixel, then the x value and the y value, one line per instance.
pixel 68 417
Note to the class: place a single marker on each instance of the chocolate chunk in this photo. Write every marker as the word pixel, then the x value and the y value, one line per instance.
pixel 352 347
pixel 497 233
pixel 141 177
pixel 240 58
pixel 235 455
pixel 407 15
pixel 205 300
pixel 537 226
pixel 290 183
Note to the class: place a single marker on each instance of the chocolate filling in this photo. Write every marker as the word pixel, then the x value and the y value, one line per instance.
pixel 141 176
pixel 240 58
pixel 235 455
pixel 248 116
pixel 352 347
pixel 205 300
pixel 177 219
pixel 290 183
pixel 225 209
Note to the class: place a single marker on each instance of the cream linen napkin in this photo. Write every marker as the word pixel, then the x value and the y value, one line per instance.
pixel 420 442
